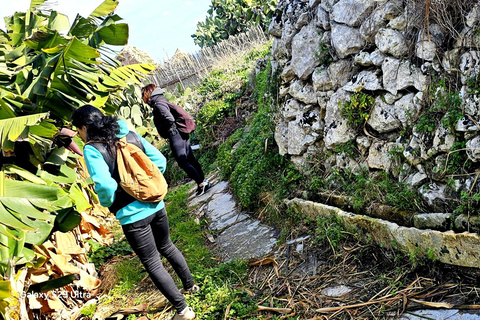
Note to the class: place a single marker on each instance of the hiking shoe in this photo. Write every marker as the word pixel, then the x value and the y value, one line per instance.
pixel 201 190
pixel 193 289
pixel 186 314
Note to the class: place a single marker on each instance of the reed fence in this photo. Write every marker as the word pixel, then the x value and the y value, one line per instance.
pixel 187 69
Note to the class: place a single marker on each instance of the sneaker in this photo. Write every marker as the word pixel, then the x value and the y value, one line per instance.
pixel 186 314
pixel 201 190
pixel 193 289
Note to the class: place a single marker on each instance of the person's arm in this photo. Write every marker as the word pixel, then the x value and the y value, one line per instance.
pixel 105 185
pixel 154 154
pixel 164 111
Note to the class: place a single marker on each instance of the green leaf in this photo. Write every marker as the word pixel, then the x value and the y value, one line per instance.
pixel 24 207
pixel 78 197
pixel 66 175
pixel 107 7
pixel 13 169
pixel 82 27
pixel 114 34
pixel 5 289
pixel 9 220
pixel 67 219
pixel 58 21
pixel 31 191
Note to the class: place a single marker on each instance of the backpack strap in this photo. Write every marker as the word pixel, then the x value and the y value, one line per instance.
pixel 122 198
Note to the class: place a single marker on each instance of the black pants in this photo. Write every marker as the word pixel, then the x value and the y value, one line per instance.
pixel 148 238
pixel 182 151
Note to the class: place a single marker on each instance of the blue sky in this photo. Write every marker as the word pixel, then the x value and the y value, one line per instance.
pixel 157 27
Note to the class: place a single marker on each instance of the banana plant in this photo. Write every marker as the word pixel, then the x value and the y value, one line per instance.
pixel 47 69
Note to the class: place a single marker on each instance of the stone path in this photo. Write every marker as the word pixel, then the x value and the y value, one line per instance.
pixel 238 236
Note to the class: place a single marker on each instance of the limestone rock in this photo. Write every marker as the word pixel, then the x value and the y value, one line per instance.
pixel 473 149
pixel 427 43
pixel 337 131
pixel 352 12
pixel 459 249
pixel 434 194
pixel 443 140
pixel 436 221
pixel 385 117
pixel 323 19
pixel 275 28
pixel 280 136
pixel 303 92
pixel 346 40
pixel 304 48
pixel 379 157
pixel 417 179
pixel 399 75
pixel 335 76
pixel 366 59
pixel 469 65
pixel 392 42
pixel 367 80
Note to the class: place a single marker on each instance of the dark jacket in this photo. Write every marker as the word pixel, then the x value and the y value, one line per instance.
pixel 162 117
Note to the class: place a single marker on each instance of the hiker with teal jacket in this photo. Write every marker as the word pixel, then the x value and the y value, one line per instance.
pixel 145 224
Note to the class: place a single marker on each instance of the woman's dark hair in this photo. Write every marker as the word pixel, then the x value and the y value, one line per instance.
pixel 147 92
pixel 99 126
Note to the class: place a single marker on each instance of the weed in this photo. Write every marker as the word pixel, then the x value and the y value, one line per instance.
pixel 89 310
pixel 458 160
pixel 468 203
pixel 446 107
pixel 431 255
pixel 101 254
pixel 329 229
pixel 347 148
pixel 357 110
pixel 323 55
pixel 128 275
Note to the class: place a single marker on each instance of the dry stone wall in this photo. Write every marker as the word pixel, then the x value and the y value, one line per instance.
pixel 328 50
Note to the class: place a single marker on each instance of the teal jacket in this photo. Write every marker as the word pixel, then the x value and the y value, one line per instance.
pixel 105 185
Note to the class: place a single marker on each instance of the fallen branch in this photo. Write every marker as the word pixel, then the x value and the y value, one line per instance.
pixel 278 310
pixel 434 304
pixel 357 305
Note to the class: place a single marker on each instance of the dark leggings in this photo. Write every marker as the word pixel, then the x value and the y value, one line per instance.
pixel 148 238
pixel 182 151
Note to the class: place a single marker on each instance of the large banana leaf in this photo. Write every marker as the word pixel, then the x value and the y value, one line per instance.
pixel 131 74
pixel 13 129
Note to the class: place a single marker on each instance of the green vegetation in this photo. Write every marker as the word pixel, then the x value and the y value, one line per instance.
pixel 363 190
pixel 323 55
pixel 446 107
pixel 329 230
pixel 129 272
pixel 357 110
pixel 231 17
pixel 101 254
pixel 89 310
pixel 49 67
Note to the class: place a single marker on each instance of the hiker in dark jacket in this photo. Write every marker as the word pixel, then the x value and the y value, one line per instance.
pixel 165 123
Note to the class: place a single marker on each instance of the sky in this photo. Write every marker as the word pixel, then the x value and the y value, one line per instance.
pixel 158 27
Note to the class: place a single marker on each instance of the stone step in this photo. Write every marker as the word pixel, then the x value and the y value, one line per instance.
pixel 459 249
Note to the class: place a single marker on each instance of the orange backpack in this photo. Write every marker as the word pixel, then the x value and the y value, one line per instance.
pixel 139 176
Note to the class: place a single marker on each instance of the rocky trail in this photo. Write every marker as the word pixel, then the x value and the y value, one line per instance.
pixel 302 278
